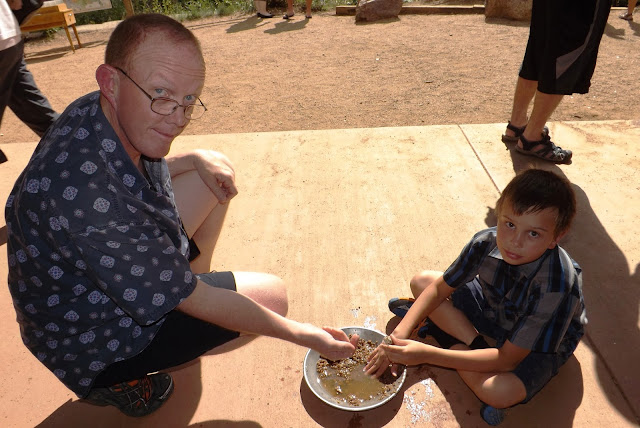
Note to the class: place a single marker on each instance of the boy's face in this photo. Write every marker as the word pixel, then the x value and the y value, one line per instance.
pixel 524 238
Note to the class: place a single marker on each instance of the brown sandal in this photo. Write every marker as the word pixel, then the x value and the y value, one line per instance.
pixel 549 151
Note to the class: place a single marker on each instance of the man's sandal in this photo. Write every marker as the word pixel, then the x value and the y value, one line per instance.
pixel 512 139
pixel 549 151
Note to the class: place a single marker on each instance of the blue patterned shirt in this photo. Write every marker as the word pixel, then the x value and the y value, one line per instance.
pixel 538 305
pixel 97 255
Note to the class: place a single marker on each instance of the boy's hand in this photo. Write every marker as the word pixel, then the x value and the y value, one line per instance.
pixel 379 360
pixel 402 351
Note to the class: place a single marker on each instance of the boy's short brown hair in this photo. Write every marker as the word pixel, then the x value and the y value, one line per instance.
pixel 535 190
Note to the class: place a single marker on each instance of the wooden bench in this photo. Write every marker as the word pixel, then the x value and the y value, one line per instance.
pixel 46 17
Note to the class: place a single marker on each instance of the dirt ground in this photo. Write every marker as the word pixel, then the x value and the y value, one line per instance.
pixel 331 73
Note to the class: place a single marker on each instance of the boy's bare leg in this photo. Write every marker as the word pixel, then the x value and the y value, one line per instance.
pixel 446 316
pixel 203 217
pixel 499 390
pixel 454 322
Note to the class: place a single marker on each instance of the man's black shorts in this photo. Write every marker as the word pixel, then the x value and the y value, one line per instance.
pixel 181 339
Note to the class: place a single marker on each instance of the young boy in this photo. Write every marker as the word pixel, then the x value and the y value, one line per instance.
pixel 512 283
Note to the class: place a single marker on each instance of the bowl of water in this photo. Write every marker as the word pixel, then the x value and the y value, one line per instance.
pixel 342 384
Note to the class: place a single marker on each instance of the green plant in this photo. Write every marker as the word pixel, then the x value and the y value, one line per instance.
pixel 195 9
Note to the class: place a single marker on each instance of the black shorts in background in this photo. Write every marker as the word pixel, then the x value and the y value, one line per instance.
pixel 563 44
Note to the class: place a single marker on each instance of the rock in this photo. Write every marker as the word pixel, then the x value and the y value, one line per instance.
pixel 373 10
pixel 519 10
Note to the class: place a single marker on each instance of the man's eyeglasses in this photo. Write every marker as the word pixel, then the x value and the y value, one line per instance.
pixel 166 106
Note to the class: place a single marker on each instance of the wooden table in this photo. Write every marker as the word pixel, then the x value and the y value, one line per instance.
pixel 47 17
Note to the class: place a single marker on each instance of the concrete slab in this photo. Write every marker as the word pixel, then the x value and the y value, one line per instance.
pixel 346 217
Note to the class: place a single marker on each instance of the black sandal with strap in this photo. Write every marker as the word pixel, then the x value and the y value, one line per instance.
pixel 549 151
pixel 512 139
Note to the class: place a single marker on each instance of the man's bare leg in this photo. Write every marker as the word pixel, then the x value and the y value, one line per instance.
pixel 201 214
pixel 203 217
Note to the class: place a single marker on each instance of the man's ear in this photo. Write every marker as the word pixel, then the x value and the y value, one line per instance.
pixel 108 80
pixel 557 239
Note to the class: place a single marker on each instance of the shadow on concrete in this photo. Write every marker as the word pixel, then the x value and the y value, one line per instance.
pixel 611 293
pixel 176 412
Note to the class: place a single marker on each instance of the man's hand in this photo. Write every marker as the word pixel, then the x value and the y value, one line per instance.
pixel 217 172
pixel 15 4
pixel 331 343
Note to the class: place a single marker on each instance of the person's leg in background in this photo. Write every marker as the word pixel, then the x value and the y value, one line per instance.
pixel 628 15
pixel 9 64
pixel 27 101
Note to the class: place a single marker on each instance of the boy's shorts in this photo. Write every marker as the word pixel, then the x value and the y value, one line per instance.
pixel 536 369
pixel 181 339
pixel 563 44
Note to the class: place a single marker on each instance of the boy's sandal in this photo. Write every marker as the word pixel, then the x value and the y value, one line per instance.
pixel 288 16
pixel 626 16
pixel 491 415
pixel 548 150
pixel 512 139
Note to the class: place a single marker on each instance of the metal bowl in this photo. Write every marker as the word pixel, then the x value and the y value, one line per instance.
pixel 312 380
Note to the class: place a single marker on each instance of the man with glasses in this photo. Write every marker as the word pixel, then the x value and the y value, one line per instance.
pixel 110 244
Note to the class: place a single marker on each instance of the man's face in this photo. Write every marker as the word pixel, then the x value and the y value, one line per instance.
pixel 524 238
pixel 163 69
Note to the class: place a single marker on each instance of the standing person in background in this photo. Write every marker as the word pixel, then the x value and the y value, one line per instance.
pixel 18 88
pixel 290 13
pixel 559 60
pixel 261 8
pixel 628 15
